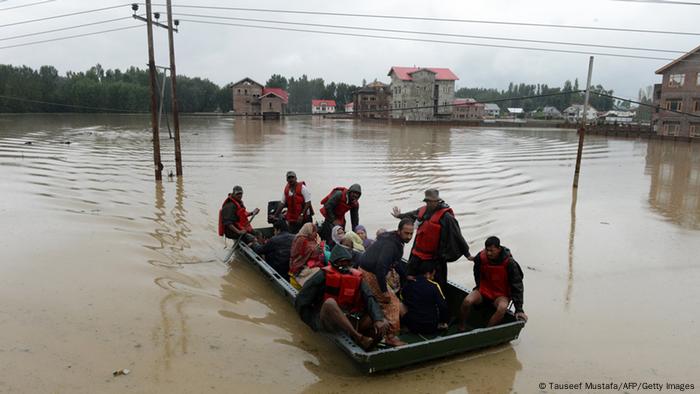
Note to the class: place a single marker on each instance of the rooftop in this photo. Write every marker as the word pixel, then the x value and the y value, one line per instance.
pixel 441 74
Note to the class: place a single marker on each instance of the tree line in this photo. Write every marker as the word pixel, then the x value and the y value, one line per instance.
pixel 100 90
pixel 539 96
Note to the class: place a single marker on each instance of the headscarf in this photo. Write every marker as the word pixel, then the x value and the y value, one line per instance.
pixel 305 248
pixel 367 241
pixel 335 236
pixel 356 241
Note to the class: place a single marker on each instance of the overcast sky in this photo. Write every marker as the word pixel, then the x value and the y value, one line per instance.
pixel 226 54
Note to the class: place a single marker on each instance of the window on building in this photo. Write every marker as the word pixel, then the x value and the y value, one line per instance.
pixel 695 130
pixel 697 81
pixel 676 80
pixel 696 105
pixel 674 105
pixel 671 129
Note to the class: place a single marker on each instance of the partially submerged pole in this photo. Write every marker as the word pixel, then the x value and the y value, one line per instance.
pixel 173 85
pixel 158 166
pixel 582 129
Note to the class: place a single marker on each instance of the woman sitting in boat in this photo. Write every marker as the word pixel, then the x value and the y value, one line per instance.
pixel 307 256
pixel 328 297
pixel 362 233
pixel 351 242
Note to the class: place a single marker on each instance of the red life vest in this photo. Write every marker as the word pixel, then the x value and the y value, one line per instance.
pixel 342 206
pixel 344 289
pixel 243 222
pixel 295 202
pixel 493 278
pixel 428 234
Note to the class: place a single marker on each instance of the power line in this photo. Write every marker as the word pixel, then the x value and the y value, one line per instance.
pixel 64 28
pixel 68 105
pixel 434 33
pixel 440 41
pixel 62 15
pixel 26 5
pixel 660 2
pixel 69 37
pixel 657 107
pixel 477 21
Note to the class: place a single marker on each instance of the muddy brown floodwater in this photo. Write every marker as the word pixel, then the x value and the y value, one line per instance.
pixel 101 268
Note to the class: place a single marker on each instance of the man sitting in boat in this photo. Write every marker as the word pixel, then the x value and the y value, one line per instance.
pixel 438 236
pixel 425 308
pixel 233 217
pixel 277 249
pixel 383 256
pixel 499 279
pixel 297 199
pixel 334 207
pixel 336 292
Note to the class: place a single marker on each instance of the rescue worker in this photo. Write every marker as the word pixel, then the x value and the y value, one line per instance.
pixel 499 279
pixel 438 237
pixel 334 206
pixel 297 200
pixel 337 292
pixel 233 217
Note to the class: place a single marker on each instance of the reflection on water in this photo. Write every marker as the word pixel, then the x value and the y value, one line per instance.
pixel 675 181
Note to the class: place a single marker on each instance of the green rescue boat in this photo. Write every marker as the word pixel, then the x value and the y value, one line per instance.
pixel 419 348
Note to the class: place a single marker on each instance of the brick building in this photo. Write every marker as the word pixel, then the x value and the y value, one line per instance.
pixel 467 109
pixel 253 99
pixel 372 101
pixel 422 93
pixel 679 91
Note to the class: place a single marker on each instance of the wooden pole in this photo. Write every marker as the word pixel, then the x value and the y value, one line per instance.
pixel 158 166
pixel 582 130
pixel 173 85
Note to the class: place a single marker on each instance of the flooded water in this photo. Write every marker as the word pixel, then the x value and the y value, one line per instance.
pixel 101 268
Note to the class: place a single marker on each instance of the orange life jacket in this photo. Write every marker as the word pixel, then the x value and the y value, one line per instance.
pixel 493 278
pixel 428 234
pixel 295 202
pixel 243 222
pixel 342 206
pixel 344 289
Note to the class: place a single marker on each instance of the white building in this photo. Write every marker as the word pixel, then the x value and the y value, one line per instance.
pixel 322 106
pixel 574 113
pixel 492 110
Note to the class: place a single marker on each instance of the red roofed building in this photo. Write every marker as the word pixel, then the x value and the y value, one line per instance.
pixel 322 106
pixel 467 109
pixel 422 93
pixel 252 99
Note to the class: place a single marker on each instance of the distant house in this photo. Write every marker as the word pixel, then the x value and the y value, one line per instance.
pixel 547 113
pixel 422 93
pixel 372 101
pixel 516 112
pixel 574 113
pixel 616 117
pixel 679 91
pixel 467 109
pixel 253 99
pixel 322 106
pixel 492 110
pixel 350 107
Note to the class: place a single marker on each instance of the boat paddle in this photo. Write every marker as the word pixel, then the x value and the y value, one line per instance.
pixel 235 245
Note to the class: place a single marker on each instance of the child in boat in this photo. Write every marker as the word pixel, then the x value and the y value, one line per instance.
pixel 425 308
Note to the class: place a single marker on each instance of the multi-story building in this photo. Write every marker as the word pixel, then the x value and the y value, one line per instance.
pixel 372 101
pixel 467 109
pixel 492 110
pixel 679 91
pixel 422 93
pixel 253 99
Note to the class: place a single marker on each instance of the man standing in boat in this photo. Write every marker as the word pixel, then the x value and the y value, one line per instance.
pixel 297 200
pixel 438 237
pixel 336 292
pixel 233 217
pixel 334 206
pixel 499 279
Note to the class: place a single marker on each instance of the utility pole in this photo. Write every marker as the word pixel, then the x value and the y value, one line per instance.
pixel 173 85
pixel 158 166
pixel 582 130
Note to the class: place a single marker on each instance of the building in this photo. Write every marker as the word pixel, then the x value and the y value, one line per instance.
pixel 246 94
pixel 616 117
pixel 467 109
pixel 546 113
pixel 422 93
pixel 516 112
pixel 372 101
pixel 679 90
pixel 574 113
pixel 492 110
pixel 322 106
pixel 350 108
pixel 253 99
